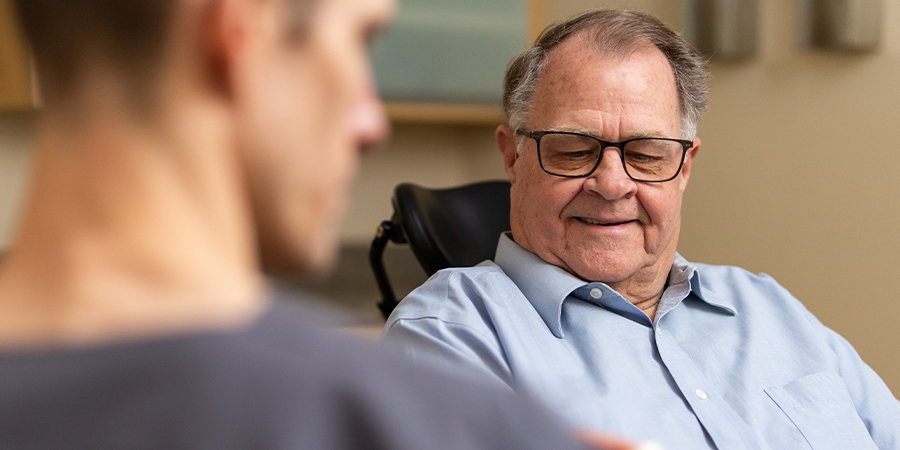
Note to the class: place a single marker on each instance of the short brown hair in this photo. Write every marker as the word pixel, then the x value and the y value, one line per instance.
pixel 129 34
pixel 65 34
pixel 614 32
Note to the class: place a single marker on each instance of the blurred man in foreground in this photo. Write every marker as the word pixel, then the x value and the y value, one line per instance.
pixel 587 303
pixel 183 145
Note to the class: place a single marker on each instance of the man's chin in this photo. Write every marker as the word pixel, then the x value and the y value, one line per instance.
pixel 605 267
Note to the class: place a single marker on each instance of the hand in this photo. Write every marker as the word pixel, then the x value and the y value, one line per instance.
pixel 600 441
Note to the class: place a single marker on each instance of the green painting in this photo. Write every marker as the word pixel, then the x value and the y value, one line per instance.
pixel 449 51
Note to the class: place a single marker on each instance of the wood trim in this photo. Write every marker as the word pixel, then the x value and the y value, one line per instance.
pixel 16 85
pixel 445 113
pixel 537 19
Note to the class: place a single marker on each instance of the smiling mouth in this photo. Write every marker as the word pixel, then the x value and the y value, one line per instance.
pixel 603 224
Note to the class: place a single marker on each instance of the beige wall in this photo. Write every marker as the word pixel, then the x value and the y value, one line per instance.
pixel 15 137
pixel 430 155
pixel 797 177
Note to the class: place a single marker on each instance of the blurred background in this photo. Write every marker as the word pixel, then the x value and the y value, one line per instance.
pixel 798 175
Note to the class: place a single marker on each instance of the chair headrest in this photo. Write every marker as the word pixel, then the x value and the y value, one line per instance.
pixel 455 227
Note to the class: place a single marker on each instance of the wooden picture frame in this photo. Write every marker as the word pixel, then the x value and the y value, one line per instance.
pixel 17 82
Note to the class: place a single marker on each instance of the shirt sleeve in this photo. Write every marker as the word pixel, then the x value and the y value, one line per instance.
pixel 429 409
pixel 346 395
pixel 875 404
pixel 449 346
pixel 444 324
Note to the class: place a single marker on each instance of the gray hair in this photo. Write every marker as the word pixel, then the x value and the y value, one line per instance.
pixel 613 32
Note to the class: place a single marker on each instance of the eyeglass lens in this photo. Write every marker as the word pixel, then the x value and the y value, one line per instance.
pixel 645 159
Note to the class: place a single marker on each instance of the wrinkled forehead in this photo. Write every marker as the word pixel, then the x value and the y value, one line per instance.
pixel 589 47
pixel 579 76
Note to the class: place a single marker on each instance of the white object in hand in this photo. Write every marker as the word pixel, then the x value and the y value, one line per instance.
pixel 650 445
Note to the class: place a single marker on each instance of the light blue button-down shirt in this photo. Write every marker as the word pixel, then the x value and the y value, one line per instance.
pixel 732 360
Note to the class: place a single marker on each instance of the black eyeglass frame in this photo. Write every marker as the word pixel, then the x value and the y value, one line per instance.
pixel 537 135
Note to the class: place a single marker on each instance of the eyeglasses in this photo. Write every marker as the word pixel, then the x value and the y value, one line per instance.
pixel 575 155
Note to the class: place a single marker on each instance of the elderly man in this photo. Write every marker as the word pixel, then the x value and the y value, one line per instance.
pixel 182 146
pixel 588 305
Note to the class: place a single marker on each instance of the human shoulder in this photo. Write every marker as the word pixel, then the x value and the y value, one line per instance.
pixel 750 293
pixel 283 382
pixel 726 278
pixel 225 389
pixel 458 294
pixel 428 408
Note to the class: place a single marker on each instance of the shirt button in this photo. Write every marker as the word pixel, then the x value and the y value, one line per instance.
pixel 596 293
pixel 700 394
pixel 658 331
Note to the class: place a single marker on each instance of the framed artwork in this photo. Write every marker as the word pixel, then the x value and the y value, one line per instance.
pixel 444 61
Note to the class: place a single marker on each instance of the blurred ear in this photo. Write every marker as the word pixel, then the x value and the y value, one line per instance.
pixel 688 162
pixel 233 29
pixel 506 142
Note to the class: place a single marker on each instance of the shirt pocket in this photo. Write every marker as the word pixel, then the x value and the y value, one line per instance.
pixel 820 407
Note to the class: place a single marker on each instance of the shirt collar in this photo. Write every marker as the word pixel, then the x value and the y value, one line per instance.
pixel 546 286
pixel 683 271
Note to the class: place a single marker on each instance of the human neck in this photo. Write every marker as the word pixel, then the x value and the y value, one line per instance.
pixel 645 290
pixel 131 229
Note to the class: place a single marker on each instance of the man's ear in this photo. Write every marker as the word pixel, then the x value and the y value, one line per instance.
pixel 230 28
pixel 688 162
pixel 506 142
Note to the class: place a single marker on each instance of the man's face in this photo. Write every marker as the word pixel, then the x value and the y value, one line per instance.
pixel 310 106
pixel 605 227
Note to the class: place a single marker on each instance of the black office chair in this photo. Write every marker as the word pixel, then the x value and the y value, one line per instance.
pixel 456 227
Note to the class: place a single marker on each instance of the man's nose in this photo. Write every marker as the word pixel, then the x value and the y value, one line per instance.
pixel 609 178
pixel 368 120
